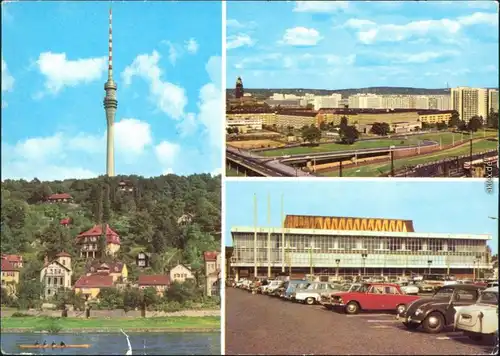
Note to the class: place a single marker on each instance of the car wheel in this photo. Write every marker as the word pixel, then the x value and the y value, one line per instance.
pixel 310 301
pixel 352 308
pixel 434 323
pixel 400 309
pixel 411 326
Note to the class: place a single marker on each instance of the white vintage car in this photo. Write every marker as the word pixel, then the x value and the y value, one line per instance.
pixel 481 318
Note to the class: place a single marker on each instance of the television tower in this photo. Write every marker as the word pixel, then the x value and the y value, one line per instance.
pixel 110 106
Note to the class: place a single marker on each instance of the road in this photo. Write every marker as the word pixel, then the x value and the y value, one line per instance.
pixel 258 324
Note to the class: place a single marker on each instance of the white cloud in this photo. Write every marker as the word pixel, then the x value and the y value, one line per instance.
pixel 422 57
pixel 191 46
pixel 40 148
pixel 168 97
pixel 370 32
pixel 216 172
pixel 173 54
pixel 358 23
pixel 132 136
pixel 188 125
pixel 301 36
pixel 233 24
pixel 239 40
pixel 61 72
pixel 166 153
pixel 210 114
pixel 7 79
pixel 320 6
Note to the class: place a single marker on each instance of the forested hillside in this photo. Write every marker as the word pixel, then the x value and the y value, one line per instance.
pixel 145 215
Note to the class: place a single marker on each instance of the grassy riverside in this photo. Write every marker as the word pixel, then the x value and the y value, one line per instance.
pixel 70 325
pixel 374 170
pixel 446 138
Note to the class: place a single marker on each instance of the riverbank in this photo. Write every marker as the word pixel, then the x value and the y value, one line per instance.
pixel 101 325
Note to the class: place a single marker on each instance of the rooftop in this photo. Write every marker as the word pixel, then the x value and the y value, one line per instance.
pixel 154 280
pixel 7 266
pixel 59 196
pixel 94 281
pixel 97 231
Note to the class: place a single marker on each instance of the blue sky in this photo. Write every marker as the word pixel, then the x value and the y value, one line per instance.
pixel 166 62
pixel 435 207
pixel 335 45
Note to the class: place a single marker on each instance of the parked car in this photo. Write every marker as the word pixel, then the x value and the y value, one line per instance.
pixel 272 286
pixel 409 288
pixel 481 318
pixel 373 296
pixel 438 312
pixel 492 284
pixel 293 285
pixel 312 294
pixel 326 298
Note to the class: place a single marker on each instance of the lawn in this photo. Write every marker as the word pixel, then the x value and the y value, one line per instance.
pixel 446 138
pixel 113 324
pixel 374 170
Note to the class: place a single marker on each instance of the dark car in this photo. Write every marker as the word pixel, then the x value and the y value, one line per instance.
pixel 438 312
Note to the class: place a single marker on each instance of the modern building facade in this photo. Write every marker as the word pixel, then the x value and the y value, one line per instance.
pixel 492 100
pixel 470 102
pixel 342 246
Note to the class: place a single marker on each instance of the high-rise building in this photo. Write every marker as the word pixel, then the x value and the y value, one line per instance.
pixel 365 101
pixel 470 102
pixel 110 105
pixel 493 100
pixel 332 101
pixel 238 93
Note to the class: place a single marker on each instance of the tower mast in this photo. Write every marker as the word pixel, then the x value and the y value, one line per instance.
pixel 110 105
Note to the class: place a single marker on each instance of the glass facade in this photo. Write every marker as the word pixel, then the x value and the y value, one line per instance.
pixel 316 250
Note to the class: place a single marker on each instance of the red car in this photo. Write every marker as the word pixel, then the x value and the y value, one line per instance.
pixel 374 296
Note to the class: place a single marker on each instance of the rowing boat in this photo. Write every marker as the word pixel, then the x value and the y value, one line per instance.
pixel 82 346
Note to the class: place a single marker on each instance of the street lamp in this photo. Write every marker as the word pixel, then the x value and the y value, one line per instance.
pixel 337 261
pixel 429 262
pixel 364 256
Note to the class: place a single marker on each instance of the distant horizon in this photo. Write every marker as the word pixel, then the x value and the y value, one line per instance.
pixel 359 88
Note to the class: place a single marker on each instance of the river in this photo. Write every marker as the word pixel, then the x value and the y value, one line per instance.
pixel 116 344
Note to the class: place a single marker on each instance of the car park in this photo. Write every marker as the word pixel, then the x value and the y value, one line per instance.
pixel 373 296
pixel 480 319
pixel 312 294
pixel 293 285
pixel 326 298
pixel 409 288
pixel 438 312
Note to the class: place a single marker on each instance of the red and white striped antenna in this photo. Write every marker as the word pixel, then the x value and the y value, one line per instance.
pixel 110 55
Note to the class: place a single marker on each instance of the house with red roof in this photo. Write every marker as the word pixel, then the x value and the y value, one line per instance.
pixel 10 276
pixel 59 198
pixel 159 282
pixel 65 222
pixel 212 272
pixel 88 241
pixel 91 286
pixel 116 269
pixel 56 274
pixel 15 260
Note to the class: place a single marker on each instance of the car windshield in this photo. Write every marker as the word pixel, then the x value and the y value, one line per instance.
pixel 345 288
pixel 443 293
pixel 488 298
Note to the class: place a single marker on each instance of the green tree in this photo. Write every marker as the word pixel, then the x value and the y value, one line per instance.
pixel 96 199
pixel 106 204
pixel 56 238
pixel 149 297
pixel 182 292
pixel 475 123
pixel 344 122
pixel 454 120
pixel 493 120
pixel 380 128
pixel 311 134
pixel 349 135
pixel 132 298
pixel 110 298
